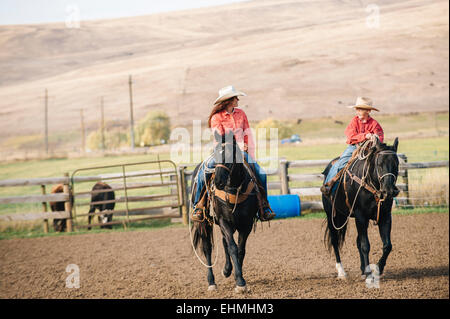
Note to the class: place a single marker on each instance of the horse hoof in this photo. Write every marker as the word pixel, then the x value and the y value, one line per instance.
pixel 375 269
pixel 241 289
pixel 212 287
pixel 341 272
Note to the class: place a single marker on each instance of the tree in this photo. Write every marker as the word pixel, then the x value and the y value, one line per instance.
pixel 153 129
pixel 284 130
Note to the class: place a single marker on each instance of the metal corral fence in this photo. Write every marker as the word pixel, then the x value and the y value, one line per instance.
pixel 141 191
pixel 168 188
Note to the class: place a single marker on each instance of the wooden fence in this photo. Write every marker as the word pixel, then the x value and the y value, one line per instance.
pixel 280 180
pixel 171 209
pixel 285 179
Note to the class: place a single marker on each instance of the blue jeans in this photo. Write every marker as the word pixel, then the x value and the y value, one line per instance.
pixel 340 164
pixel 211 163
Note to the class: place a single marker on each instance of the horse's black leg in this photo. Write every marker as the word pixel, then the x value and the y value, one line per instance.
pixel 242 241
pixel 233 251
pixel 385 233
pixel 207 250
pixel 361 258
pixel 362 224
pixel 228 265
pixel 334 236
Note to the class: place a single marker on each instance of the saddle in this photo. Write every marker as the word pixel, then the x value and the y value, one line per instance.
pixel 361 181
pixel 234 199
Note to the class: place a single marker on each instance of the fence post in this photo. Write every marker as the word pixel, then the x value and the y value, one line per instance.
pixel 284 179
pixel 183 186
pixel 68 203
pixel 44 207
pixel 405 180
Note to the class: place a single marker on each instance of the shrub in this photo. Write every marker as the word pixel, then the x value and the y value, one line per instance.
pixel 153 128
pixel 113 140
pixel 284 129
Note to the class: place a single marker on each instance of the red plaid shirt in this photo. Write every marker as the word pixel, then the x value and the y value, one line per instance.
pixel 238 123
pixel 356 131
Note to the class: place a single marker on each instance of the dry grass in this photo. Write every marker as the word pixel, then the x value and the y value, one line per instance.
pixel 294 59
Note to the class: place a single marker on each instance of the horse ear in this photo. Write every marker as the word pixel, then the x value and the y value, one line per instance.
pixel 395 145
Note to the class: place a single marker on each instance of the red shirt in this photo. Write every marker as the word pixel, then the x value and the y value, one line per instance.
pixel 356 131
pixel 237 122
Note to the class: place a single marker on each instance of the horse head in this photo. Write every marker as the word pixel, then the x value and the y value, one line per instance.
pixel 385 167
pixel 229 159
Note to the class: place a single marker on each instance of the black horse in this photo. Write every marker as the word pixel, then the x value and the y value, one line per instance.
pixel 98 200
pixel 231 177
pixel 378 169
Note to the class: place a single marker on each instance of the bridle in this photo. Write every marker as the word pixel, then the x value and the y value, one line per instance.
pixel 230 170
pixel 378 194
pixel 225 194
pixel 387 174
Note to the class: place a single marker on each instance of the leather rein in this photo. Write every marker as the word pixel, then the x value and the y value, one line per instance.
pixel 377 193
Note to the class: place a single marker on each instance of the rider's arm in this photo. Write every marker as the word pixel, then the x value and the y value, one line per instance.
pixel 378 130
pixel 216 124
pixel 353 137
pixel 249 145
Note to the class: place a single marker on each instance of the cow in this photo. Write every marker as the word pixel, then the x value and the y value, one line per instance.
pixel 102 197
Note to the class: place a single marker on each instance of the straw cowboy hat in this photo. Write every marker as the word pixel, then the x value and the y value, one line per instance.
pixel 363 103
pixel 227 93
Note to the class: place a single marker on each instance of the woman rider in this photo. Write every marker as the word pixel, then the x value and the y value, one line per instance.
pixel 361 128
pixel 226 116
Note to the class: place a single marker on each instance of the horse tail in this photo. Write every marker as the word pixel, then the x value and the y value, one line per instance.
pixel 202 235
pixel 335 231
pixel 336 225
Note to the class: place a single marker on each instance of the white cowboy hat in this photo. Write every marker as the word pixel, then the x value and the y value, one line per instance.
pixel 227 93
pixel 363 103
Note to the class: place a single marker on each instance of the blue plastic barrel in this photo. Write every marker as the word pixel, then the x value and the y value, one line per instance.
pixel 285 205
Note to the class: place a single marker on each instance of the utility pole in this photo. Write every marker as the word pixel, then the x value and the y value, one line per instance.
pixel 102 124
pixel 130 82
pixel 46 121
pixel 83 133
pixel 183 91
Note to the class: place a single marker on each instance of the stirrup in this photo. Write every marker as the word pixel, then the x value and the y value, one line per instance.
pixel 266 216
pixel 326 190
pixel 198 215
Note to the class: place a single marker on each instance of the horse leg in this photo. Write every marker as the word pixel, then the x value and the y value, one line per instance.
pixel 361 258
pixel 363 244
pixel 233 252
pixel 207 250
pixel 242 241
pixel 385 234
pixel 334 239
pixel 228 265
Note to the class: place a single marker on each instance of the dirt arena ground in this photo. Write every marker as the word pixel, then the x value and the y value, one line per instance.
pixel 287 260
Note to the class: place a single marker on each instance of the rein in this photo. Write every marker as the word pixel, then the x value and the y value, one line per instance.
pixel 359 155
pixel 361 181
